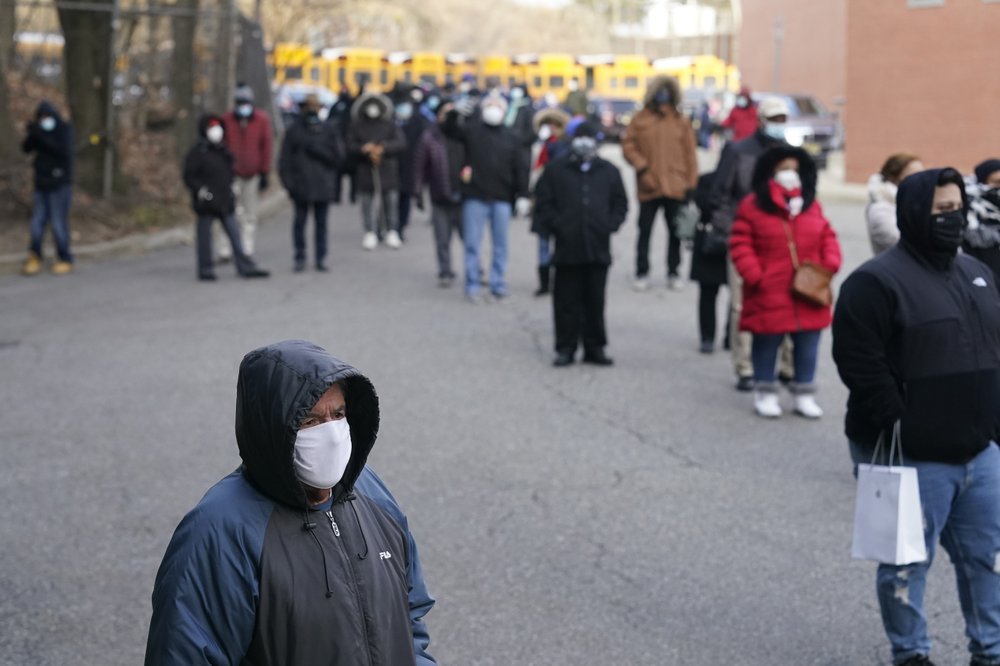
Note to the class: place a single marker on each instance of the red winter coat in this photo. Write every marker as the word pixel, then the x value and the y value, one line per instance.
pixel 250 142
pixel 759 249
pixel 743 122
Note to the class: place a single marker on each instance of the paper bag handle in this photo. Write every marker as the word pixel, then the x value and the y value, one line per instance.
pixel 894 450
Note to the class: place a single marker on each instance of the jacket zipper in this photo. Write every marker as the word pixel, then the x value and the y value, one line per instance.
pixel 354 581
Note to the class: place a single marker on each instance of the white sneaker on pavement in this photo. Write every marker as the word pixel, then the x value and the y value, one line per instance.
pixel 393 241
pixel 641 284
pixel 674 283
pixel 766 405
pixel 370 241
pixel 805 405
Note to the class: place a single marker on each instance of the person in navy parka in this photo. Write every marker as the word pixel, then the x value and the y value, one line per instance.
pixel 300 556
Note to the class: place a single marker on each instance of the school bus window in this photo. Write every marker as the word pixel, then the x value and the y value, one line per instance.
pixel 538 81
pixel 314 74
pixel 511 81
pixel 710 81
pixel 614 82
pixel 631 81
pixel 557 81
pixel 293 72
pixel 361 78
pixel 383 78
pixel 429 78
pixel 407 76
pixel 341 76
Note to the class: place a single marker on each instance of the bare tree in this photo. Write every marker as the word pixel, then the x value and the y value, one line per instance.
pixel 8 136
pixel 182 74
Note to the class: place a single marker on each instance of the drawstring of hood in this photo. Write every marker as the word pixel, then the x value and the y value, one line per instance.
pixel 310 526
pixel 350 500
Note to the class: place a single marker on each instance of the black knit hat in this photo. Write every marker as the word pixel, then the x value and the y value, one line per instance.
pixel 985 169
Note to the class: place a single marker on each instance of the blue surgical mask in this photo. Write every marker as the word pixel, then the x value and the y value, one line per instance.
pixel 433 102
pixel 516 94
pixel 47 123
pixel 404 111
pixel 244 110
pixel 664 97
pixel 775 130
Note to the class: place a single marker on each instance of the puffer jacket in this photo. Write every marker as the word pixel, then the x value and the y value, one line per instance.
pixel 53 150
pixel 311 157
pixel 880 214
pixel 661 148
pixel 208 168
pixel 256 575
pixel 758 246
pixel 381 130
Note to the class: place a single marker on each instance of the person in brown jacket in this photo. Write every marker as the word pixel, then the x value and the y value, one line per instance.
pixel 659 144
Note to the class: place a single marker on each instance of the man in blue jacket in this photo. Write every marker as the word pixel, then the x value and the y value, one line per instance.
pixel 301 556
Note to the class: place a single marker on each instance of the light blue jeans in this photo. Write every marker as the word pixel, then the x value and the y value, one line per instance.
pixel 476 214
pixel 961 506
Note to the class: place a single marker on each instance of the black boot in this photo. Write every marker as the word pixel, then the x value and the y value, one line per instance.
pixel 544 272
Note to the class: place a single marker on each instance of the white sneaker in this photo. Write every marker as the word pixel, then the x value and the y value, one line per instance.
pixel 370 241
pixel 641 284
pixel 766 405
pixel 805 405
pixel 674 283
pixel 393 241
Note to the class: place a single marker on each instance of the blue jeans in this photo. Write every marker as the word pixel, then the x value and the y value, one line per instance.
pixel 961 506
pixel 544 249
pixel 52 206
pixel 764 354
pixel 475 216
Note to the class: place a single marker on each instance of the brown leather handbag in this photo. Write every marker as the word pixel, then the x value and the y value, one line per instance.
pixel 811 282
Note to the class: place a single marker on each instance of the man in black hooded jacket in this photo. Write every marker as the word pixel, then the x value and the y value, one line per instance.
pixel 916 339
pixel 301 556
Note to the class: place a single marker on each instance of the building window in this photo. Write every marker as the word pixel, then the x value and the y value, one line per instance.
pixel 916 4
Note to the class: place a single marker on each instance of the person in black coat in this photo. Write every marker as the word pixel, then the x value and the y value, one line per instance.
pixel 50 138
pixel 708 264
pixel 376 144
pixel 340 117
pixel 580 200
pixel 208 174
pixel 413 124
pixel 311 156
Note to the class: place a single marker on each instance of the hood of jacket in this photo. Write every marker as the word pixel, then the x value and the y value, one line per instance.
pixel 277 385
pixel 558 118
pixel 914 201
pixel 204 121
pixel 880 189
pixel 662 83
pixel 47 108
pixel 384 102
pixel 764 170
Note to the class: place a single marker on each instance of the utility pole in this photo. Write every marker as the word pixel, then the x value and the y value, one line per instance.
pixel 109 118
pixel 225 72
pixel 779 37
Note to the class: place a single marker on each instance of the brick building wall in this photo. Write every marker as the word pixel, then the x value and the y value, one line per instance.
pixel 813 47
pixel 923 80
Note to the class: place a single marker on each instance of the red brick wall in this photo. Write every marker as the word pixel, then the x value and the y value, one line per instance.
pixel 813 50
pixel 922 80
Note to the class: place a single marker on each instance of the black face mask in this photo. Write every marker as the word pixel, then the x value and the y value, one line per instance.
pixel 993 196
pixel 947 231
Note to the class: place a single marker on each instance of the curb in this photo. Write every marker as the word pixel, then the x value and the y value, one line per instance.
pixel 140 243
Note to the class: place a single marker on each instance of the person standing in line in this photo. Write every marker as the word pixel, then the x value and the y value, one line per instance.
pixel 494 175
pixel 50 138
pixel 880 214
pixel 550 128
pixel 916 340
pixel 778 228
pixel 301 556
pixel 376 143
pixel 708 265
pixel 413 124
pixel 311 156
pixel 340 117
pixel 249 139
pixel 742 120
pixel 209 175
pixel 580 200
pixel 982 238
pixel 659 143
pixel 577 100
pixel 437 164
pixel 733 181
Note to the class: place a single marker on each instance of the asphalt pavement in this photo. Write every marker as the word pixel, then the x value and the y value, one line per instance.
pixel 634 515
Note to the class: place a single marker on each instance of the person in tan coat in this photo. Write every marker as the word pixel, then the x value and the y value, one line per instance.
pixel 659 144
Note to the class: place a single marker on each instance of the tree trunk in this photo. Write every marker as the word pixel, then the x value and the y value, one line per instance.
pixel 8 136
pixel 86 57
pixel 182 77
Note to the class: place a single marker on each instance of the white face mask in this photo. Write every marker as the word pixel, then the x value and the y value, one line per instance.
pixel 322 453
pixel 214 133
pixel 47 123
pixel 492 115
pixel 372 111
pixel 788 179
pixel 544 132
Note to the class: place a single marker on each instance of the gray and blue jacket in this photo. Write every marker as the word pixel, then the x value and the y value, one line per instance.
pixel 256 575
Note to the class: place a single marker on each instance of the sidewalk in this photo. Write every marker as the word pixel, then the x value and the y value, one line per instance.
pixel 140 242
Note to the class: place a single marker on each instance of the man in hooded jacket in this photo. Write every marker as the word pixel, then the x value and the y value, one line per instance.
pixel 301 556
pixel 50 138
pixel 916 339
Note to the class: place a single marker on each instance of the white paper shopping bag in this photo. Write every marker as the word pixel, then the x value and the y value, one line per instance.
pixel 888 520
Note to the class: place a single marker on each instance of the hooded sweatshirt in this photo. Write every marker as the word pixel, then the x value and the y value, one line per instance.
pixel 256 575
pixel 916 337
pixel 53 150
pixel 381 130
pixel 210 166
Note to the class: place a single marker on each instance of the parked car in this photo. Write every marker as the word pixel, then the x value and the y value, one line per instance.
pixel 289 96
pixel 810 125
pixel 613 114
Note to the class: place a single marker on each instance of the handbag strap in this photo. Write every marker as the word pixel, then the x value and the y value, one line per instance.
pixel 791 243
pixel 896 448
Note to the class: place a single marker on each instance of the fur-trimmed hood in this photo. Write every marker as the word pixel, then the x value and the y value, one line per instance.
pixel 764 170
pixel 377 98
pixel 555 117
pixel 662 83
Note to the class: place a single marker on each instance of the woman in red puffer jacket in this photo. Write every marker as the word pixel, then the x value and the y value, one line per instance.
pixel 784 184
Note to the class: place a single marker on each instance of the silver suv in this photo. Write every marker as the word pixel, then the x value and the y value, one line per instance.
pixel 810 125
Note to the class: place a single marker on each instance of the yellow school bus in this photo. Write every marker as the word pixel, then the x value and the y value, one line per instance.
pixel 548 72
pixel 294 63
pixel 622 76
pixel 706 73
pixel 497 70
pixel 427 68
pixel 459 65
pixel 356 68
